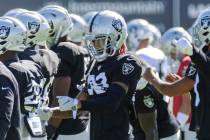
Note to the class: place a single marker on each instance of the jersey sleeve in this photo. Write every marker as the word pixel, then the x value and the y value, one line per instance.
pixel 145 101
pixel 7 103
pixel 202 61
pixel 128 71
pixel 50 60
pixel 191 71
pixel 67 61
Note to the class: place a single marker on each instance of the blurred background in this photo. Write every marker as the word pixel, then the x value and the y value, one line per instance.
pixel 163 13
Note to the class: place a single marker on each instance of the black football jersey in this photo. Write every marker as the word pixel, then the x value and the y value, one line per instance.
pixel 111 124
pixel 71 65
pixel 10 105
pixel 31 82
pixel 48 62
pixel 200 102
pixel 148 100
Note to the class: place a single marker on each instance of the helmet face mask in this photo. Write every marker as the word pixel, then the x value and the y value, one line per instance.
pixel 108 32
pixel 100 46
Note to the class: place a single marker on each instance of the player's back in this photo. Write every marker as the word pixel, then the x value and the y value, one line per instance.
pixel 13 131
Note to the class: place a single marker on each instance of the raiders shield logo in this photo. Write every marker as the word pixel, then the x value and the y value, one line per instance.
pixel 33 27
pixel 205 22
pixel 4 32
pixel 148 101
pixel 127 68
pixel 117 24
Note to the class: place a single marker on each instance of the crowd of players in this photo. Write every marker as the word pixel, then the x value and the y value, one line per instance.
pixel 96 77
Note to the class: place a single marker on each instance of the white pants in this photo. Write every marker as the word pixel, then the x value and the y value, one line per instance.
pixel 173 137
pixel 81 136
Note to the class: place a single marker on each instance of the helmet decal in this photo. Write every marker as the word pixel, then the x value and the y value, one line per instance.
pixel 4 32
pixel 117 24
pixel 33 27
pixel 205 22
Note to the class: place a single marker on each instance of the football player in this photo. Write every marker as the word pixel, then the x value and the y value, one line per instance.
pixel 110 78
pixel 181 104
pixel 70 71
pixel 196 75
pixel 13 34
pixel 140 39
pixel 148 118
pixel 46 60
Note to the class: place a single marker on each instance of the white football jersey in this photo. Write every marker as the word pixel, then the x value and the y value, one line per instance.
pixel 155 58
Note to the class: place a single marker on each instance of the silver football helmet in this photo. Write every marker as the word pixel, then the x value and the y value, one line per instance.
pixel 169 36
pixel 59 21
pixel 88 16
pixel 37 28
pixel 14 12
pixel 79 29
pixel 156 35
pixel 138 31
pixel 13 35
pixel 201 29
pixel 107 33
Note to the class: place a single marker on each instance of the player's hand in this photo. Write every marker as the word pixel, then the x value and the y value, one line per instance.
pixel 150 74
pixel 67 103
pixel 171 77
pixel 44 113
pixel 184 46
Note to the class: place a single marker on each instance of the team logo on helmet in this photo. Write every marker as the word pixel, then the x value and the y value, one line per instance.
pixel 4 32
pixel 117 24
pixel 205 22
pixel 33 27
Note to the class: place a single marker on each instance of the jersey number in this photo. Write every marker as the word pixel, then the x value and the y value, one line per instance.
pixel 97 84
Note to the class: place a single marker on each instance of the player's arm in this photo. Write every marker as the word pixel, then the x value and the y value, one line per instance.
pixel 179 87
pixel 61 87
pixel 123 80
pixel 145 107
pixel 6 108
pixel 148 122
pixel 115 93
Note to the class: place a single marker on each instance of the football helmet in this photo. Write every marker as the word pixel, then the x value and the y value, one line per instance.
pixel 170 35
pixel 79 29
pixel 88 16
pixel 107 33
pixel 13 35
pixel 156 35
pixel 14 12
pixel 138 31
pixel 37 28
pixel 59 21
pixel 201 29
